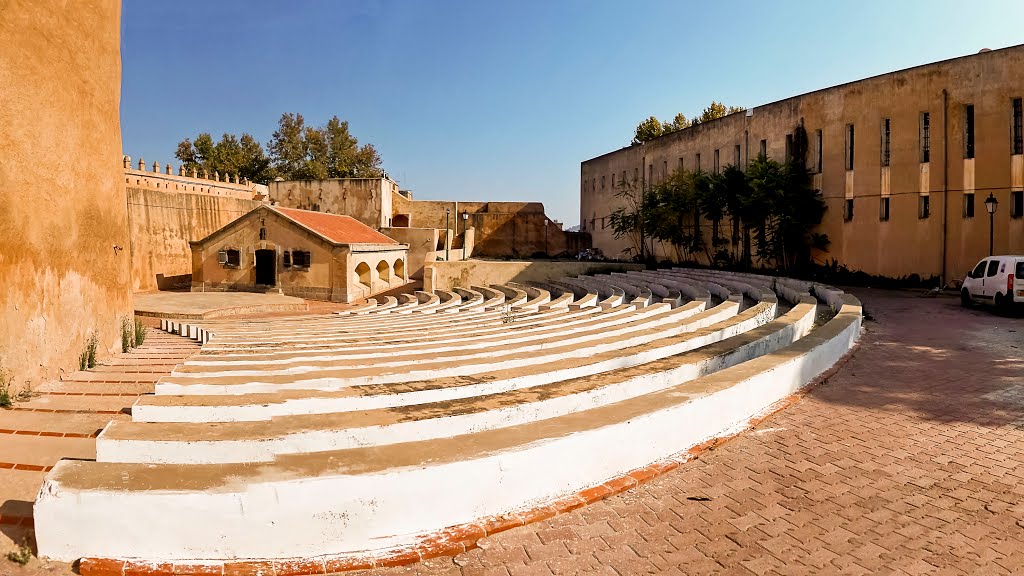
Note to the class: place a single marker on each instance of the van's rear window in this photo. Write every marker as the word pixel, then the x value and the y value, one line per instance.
pixel 1020 269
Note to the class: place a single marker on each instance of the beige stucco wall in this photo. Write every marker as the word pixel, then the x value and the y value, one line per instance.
pixel 63 227
pixel 447 275
pixel 368 200
pixel 164 221
pixel 392 260
pixel 904 244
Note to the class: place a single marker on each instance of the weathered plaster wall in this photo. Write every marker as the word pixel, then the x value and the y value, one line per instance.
pixel 904 244
pixel 368 200
pixel 64 255
pixel 447 275
pixel 164 222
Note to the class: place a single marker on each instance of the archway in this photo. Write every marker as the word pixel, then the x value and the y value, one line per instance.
pixel 363 271
pixel 399 270
pixel 384 272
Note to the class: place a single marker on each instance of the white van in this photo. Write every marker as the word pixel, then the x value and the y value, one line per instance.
pixel 997 280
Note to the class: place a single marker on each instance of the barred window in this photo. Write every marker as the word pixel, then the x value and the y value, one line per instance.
pixel 1018 129
pixel 926 137
pixel 885 141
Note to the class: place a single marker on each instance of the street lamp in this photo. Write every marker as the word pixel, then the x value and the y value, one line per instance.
pixel 546 237
pixel 447 235
pixel 991 204
pixel 465 221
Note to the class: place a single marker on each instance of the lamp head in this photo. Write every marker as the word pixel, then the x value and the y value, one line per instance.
pixel 991 203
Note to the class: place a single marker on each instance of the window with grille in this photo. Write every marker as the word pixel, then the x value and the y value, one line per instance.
pixel 883 209
pixel 969 205
pixel 885 141
pixel 1018 128
pixel 926 137
pixel 300 259
pixel 969 131
pixel 923 207
pixel 230 258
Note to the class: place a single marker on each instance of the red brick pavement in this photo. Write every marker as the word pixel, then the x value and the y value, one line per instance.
pixel 910 460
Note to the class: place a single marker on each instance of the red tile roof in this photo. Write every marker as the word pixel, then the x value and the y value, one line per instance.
pixel 335 227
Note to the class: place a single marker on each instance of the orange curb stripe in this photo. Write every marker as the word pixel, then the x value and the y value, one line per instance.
pixel 454 539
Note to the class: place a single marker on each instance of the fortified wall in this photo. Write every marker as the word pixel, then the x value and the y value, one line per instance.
pixel 168 208
pixel 64 238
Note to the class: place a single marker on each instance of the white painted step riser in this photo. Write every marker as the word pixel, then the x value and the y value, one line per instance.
pixel 492 322
pixel 306 379
pixel 552 338
pixel 300 517
pixel 110 450
pixel 454 335
pixel 191 413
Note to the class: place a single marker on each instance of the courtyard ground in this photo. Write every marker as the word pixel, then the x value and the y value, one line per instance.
pixel 909 460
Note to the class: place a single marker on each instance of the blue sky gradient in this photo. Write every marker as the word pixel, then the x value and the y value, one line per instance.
pixel 479 100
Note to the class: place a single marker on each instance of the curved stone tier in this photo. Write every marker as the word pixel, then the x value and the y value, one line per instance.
pixel 413 425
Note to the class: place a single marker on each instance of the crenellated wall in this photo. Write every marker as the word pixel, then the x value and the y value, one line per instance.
pixel 167 209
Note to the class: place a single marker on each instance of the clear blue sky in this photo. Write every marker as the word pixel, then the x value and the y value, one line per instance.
pixel 481 100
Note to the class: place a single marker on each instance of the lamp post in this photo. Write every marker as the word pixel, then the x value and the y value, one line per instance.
pixel 546 236
pixel 465 222
pixel 991 204
pixel 447 234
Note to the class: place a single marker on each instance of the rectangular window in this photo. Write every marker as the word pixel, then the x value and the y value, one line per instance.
pixel 717 165
pixel 636 174
pixel 287 259
pixel 1018 127
pixel 229 258
pixel 923 207
pixel 789 147
pixel 650 173
pixel 696 163
pixel 849 146
pixel 1016 204
pixel 682 164
pixel 764 148
pixel 602 182
pixel 883 209
pixel 848 210
pixel 300 259
pixel 664 169
pixel 969 131
pixel 926 137
pixel 736 160
pixel 885 141
pixel 817 151
pixel 968 204
pixel 623 178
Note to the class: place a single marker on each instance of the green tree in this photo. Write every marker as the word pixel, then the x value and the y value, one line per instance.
pixel 647 130
pixel 715 111
pixel 631 220
pixel 677 123
pixel 231 155
pixel 301 152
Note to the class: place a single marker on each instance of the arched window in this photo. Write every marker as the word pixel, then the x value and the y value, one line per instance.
pixel 399 270
pixel 384 271
pixel 363 271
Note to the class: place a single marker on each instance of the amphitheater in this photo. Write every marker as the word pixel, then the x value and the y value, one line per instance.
pixel 409 427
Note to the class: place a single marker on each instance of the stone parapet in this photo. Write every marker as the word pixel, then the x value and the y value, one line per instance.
pixel 164 178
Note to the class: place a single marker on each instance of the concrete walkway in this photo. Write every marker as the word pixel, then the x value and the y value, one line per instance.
pixel 198 305
pixel 910 460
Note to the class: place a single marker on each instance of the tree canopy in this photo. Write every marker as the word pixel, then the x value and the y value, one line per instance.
pixel 771 206
pixel 296 151
pixel 651 128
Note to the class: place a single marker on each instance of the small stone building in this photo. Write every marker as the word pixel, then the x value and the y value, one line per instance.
pixel 299 253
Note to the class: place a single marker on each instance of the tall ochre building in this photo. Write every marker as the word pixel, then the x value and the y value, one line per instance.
pixel 904 161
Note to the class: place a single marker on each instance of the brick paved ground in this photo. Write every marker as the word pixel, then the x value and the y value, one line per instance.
pixel 910 460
